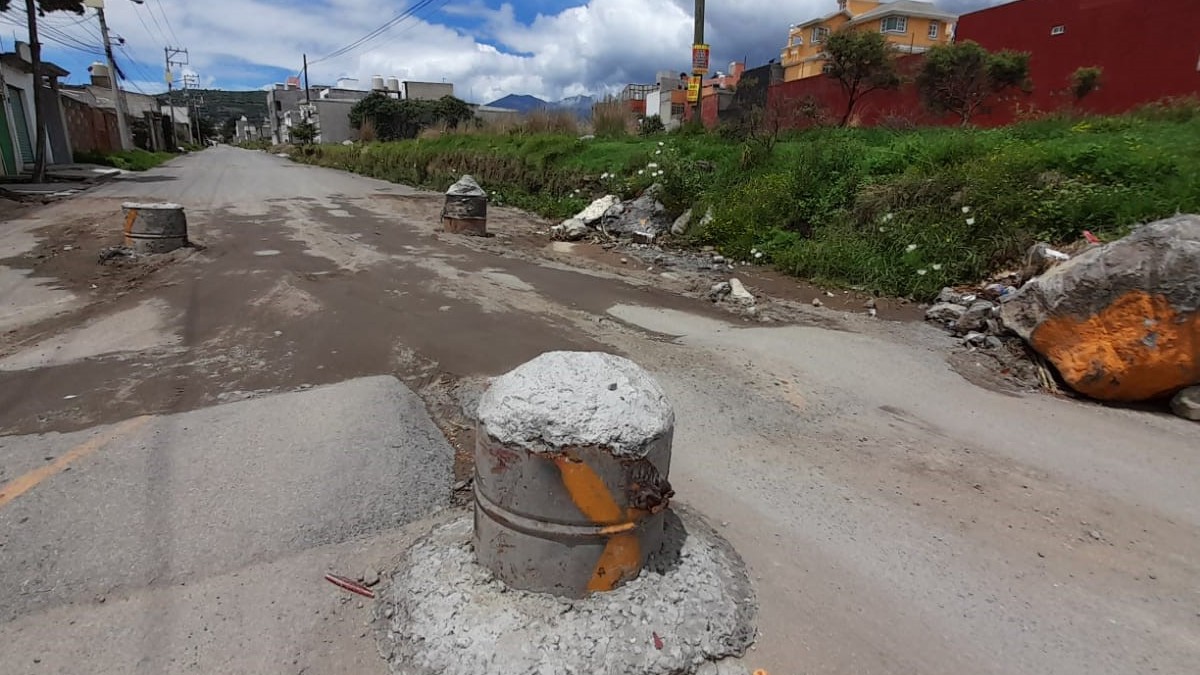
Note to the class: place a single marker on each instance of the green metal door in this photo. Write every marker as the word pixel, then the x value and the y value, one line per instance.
pixel 7 152
pixel 16 101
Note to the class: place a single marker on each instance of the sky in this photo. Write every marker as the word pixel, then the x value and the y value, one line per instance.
pixel 488 48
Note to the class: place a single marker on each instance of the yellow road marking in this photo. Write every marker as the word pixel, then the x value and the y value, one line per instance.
pixel 26 482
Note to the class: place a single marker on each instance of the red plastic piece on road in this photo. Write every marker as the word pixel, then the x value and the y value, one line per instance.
pixel 349 585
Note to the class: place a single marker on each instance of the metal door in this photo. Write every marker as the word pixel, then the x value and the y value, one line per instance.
pixel 16 100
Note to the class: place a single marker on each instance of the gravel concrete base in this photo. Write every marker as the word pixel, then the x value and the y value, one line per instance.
pixel 692 605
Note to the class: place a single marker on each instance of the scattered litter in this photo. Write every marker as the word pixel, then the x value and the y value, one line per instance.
pixel 658 642
pixel 68 397
pixel 110 253
pixel 347 584
pixel 1058 255
pixel 1091 238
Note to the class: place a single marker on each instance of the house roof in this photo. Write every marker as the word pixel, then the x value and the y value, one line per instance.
pixel 15 60
pixel 822 19
pixel 924 10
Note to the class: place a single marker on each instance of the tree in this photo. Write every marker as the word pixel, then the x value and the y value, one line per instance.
pixel 454 111
pixel 304 132
pixel 1085 80
pixel 393 119
pixel 862 62
pixel 961 78
pixel 35 8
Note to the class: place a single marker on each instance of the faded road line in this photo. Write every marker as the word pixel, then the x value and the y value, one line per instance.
pixel 26 482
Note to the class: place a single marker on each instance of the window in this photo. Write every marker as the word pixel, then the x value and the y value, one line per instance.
pixel 894 24
pixel 933 30
pixel 827 68
pixel 819 34
pixel 1058 30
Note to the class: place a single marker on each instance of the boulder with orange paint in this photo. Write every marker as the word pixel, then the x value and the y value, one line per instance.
pixel 1120 321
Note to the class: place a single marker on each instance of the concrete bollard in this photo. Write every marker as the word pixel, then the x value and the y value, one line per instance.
pixel 465 211
pixel 571 461
pixel 154 228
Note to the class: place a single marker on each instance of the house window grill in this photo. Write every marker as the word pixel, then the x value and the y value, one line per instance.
pixel 894 24
pixel 819 34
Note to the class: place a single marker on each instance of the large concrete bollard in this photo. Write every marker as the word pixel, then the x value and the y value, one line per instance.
pixel 465 211
pixel 154 228
pixel 571 461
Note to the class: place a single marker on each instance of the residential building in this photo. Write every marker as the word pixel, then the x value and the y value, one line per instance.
pixel 18 131
pixel 912 26
pixel 668 99
pixel 427 91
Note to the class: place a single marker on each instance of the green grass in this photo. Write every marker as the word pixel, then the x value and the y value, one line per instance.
pixel 901 212
pixel 127 160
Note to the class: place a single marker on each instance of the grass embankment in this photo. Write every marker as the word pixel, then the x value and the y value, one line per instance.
pixel 126 160
pixel 900 212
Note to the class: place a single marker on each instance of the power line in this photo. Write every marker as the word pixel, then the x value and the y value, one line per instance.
pixel 167 19
pixel 154 19
pixel 388 25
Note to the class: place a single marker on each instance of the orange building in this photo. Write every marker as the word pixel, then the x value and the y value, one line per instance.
pixel 910 25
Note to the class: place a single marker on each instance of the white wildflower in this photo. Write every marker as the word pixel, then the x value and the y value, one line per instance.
pixel 758 254
pixel 652 165
pixel 658 152
pixel 970 221
pixel 936 266
pixel 888 216
pixel 883 229
pixel 921 273
pixel 641 171
pixel 660 144
pixel 659 173
pixel 966 209
pixel 910 248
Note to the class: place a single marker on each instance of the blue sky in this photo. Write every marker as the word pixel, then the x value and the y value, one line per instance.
pixel 487 48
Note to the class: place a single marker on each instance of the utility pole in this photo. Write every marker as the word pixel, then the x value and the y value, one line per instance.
pixel 169 53
pixel 114 81
pixel 35 55
pixel 307 95
pixel 699 62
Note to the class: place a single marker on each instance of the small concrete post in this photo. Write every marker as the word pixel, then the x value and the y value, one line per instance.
pixel 571 461
pixel 154 228
pixel 465 211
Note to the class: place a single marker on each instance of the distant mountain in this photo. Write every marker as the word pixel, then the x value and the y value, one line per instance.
pixel 221 105
pixel 580 105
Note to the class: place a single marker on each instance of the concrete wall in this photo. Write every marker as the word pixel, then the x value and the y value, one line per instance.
pixel 91 129
pixel 427 91
pixel 333 121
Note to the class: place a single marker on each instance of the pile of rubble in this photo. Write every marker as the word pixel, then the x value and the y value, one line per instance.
pixel 642 220
pixel 1118 321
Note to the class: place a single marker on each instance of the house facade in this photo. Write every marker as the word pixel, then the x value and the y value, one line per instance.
pixel 912 26
pixel 18 130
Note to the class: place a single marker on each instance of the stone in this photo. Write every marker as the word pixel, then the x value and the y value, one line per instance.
pixel 1186 404
pixel 945 312
pixel 466 187
pixel 597 209
pixel 738 291
pixel 949 295
pixel 718 260
pixel 1120 322
pixel 644 214
pixel 817 302
pixel 975 318
pixel 719 290
pixel 974 339
pixel 1039 259
pixel 571 229
pixel 870 303
pixel 680 226
pixel 992 342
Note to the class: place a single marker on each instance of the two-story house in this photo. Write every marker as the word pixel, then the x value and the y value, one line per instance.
pixel 910 25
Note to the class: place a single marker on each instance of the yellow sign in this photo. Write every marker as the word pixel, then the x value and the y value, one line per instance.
pixel 693 89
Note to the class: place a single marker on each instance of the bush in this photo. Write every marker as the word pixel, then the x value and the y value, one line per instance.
pixel 126 160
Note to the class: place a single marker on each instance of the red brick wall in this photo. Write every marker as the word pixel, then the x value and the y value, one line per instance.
pixel 1148 51
pixel 90 129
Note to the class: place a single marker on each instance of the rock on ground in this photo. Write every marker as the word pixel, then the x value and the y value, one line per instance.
pixel 738 291
pixel 975 318
pixel 945 312
pixel 451 616
pixel 680 226
pixel 572 229
pixel 1120 321
pixel 643 215
pixel 1186 404
pixel 596 210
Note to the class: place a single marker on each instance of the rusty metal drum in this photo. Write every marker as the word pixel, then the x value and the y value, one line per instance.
pixel 572 454
pixel 154 228
pixel 465 211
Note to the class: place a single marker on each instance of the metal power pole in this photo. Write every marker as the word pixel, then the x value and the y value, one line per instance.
pixel 122 110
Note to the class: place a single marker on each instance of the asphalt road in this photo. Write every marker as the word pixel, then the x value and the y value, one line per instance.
pixel 896 517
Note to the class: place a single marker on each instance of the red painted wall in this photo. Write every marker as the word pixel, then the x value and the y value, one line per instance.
pixel 1149 49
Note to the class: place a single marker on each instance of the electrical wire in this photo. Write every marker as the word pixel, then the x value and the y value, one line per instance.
pixel 153 19
pixel 162 10
pixel 375 34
